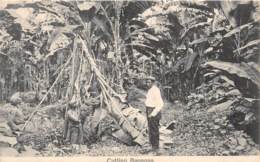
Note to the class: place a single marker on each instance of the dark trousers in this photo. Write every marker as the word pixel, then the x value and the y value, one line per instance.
pixel 153 128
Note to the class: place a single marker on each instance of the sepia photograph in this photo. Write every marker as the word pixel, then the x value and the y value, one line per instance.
pixel 129 80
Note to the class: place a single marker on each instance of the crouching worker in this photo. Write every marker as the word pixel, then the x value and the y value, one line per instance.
pixel 15 119
pixel 73 126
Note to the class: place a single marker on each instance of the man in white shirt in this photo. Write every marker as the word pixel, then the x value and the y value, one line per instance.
pixel 154 104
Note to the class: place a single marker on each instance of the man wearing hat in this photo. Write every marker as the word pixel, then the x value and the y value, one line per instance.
pixel 154 104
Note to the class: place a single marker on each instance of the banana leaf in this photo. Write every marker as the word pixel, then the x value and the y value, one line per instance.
pixel 239 29
pixel 192 56
pixel 249 44
pixel 242 70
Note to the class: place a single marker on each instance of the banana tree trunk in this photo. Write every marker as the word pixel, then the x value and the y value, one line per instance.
pixel 113 105
pixel 117 40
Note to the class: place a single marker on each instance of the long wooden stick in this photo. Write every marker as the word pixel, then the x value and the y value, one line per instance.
pixel 113 111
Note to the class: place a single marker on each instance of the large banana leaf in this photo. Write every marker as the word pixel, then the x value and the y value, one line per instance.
pixel 193 27
pixel 249 44
pixel 139 43
pixel 198 41
pixel 201 5
pixel 242 70
pixel 239 29
pixel 191 58
pixel 59 39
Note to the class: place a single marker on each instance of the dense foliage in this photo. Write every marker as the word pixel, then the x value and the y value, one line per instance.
pixel 203 53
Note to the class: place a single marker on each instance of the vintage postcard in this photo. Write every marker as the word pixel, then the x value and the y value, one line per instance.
pixel 129 80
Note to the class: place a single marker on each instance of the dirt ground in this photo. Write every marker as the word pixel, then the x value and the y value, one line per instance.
pixel 188 139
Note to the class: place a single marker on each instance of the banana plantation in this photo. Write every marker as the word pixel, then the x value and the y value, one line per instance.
pixel 204 56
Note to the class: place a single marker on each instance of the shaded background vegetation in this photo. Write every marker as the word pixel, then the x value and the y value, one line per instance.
pixel 204 54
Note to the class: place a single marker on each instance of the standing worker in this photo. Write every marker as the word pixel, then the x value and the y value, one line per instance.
pixel 73 126
pixel 154 104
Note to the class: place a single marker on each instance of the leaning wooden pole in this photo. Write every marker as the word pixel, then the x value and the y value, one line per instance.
pixel 111 106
